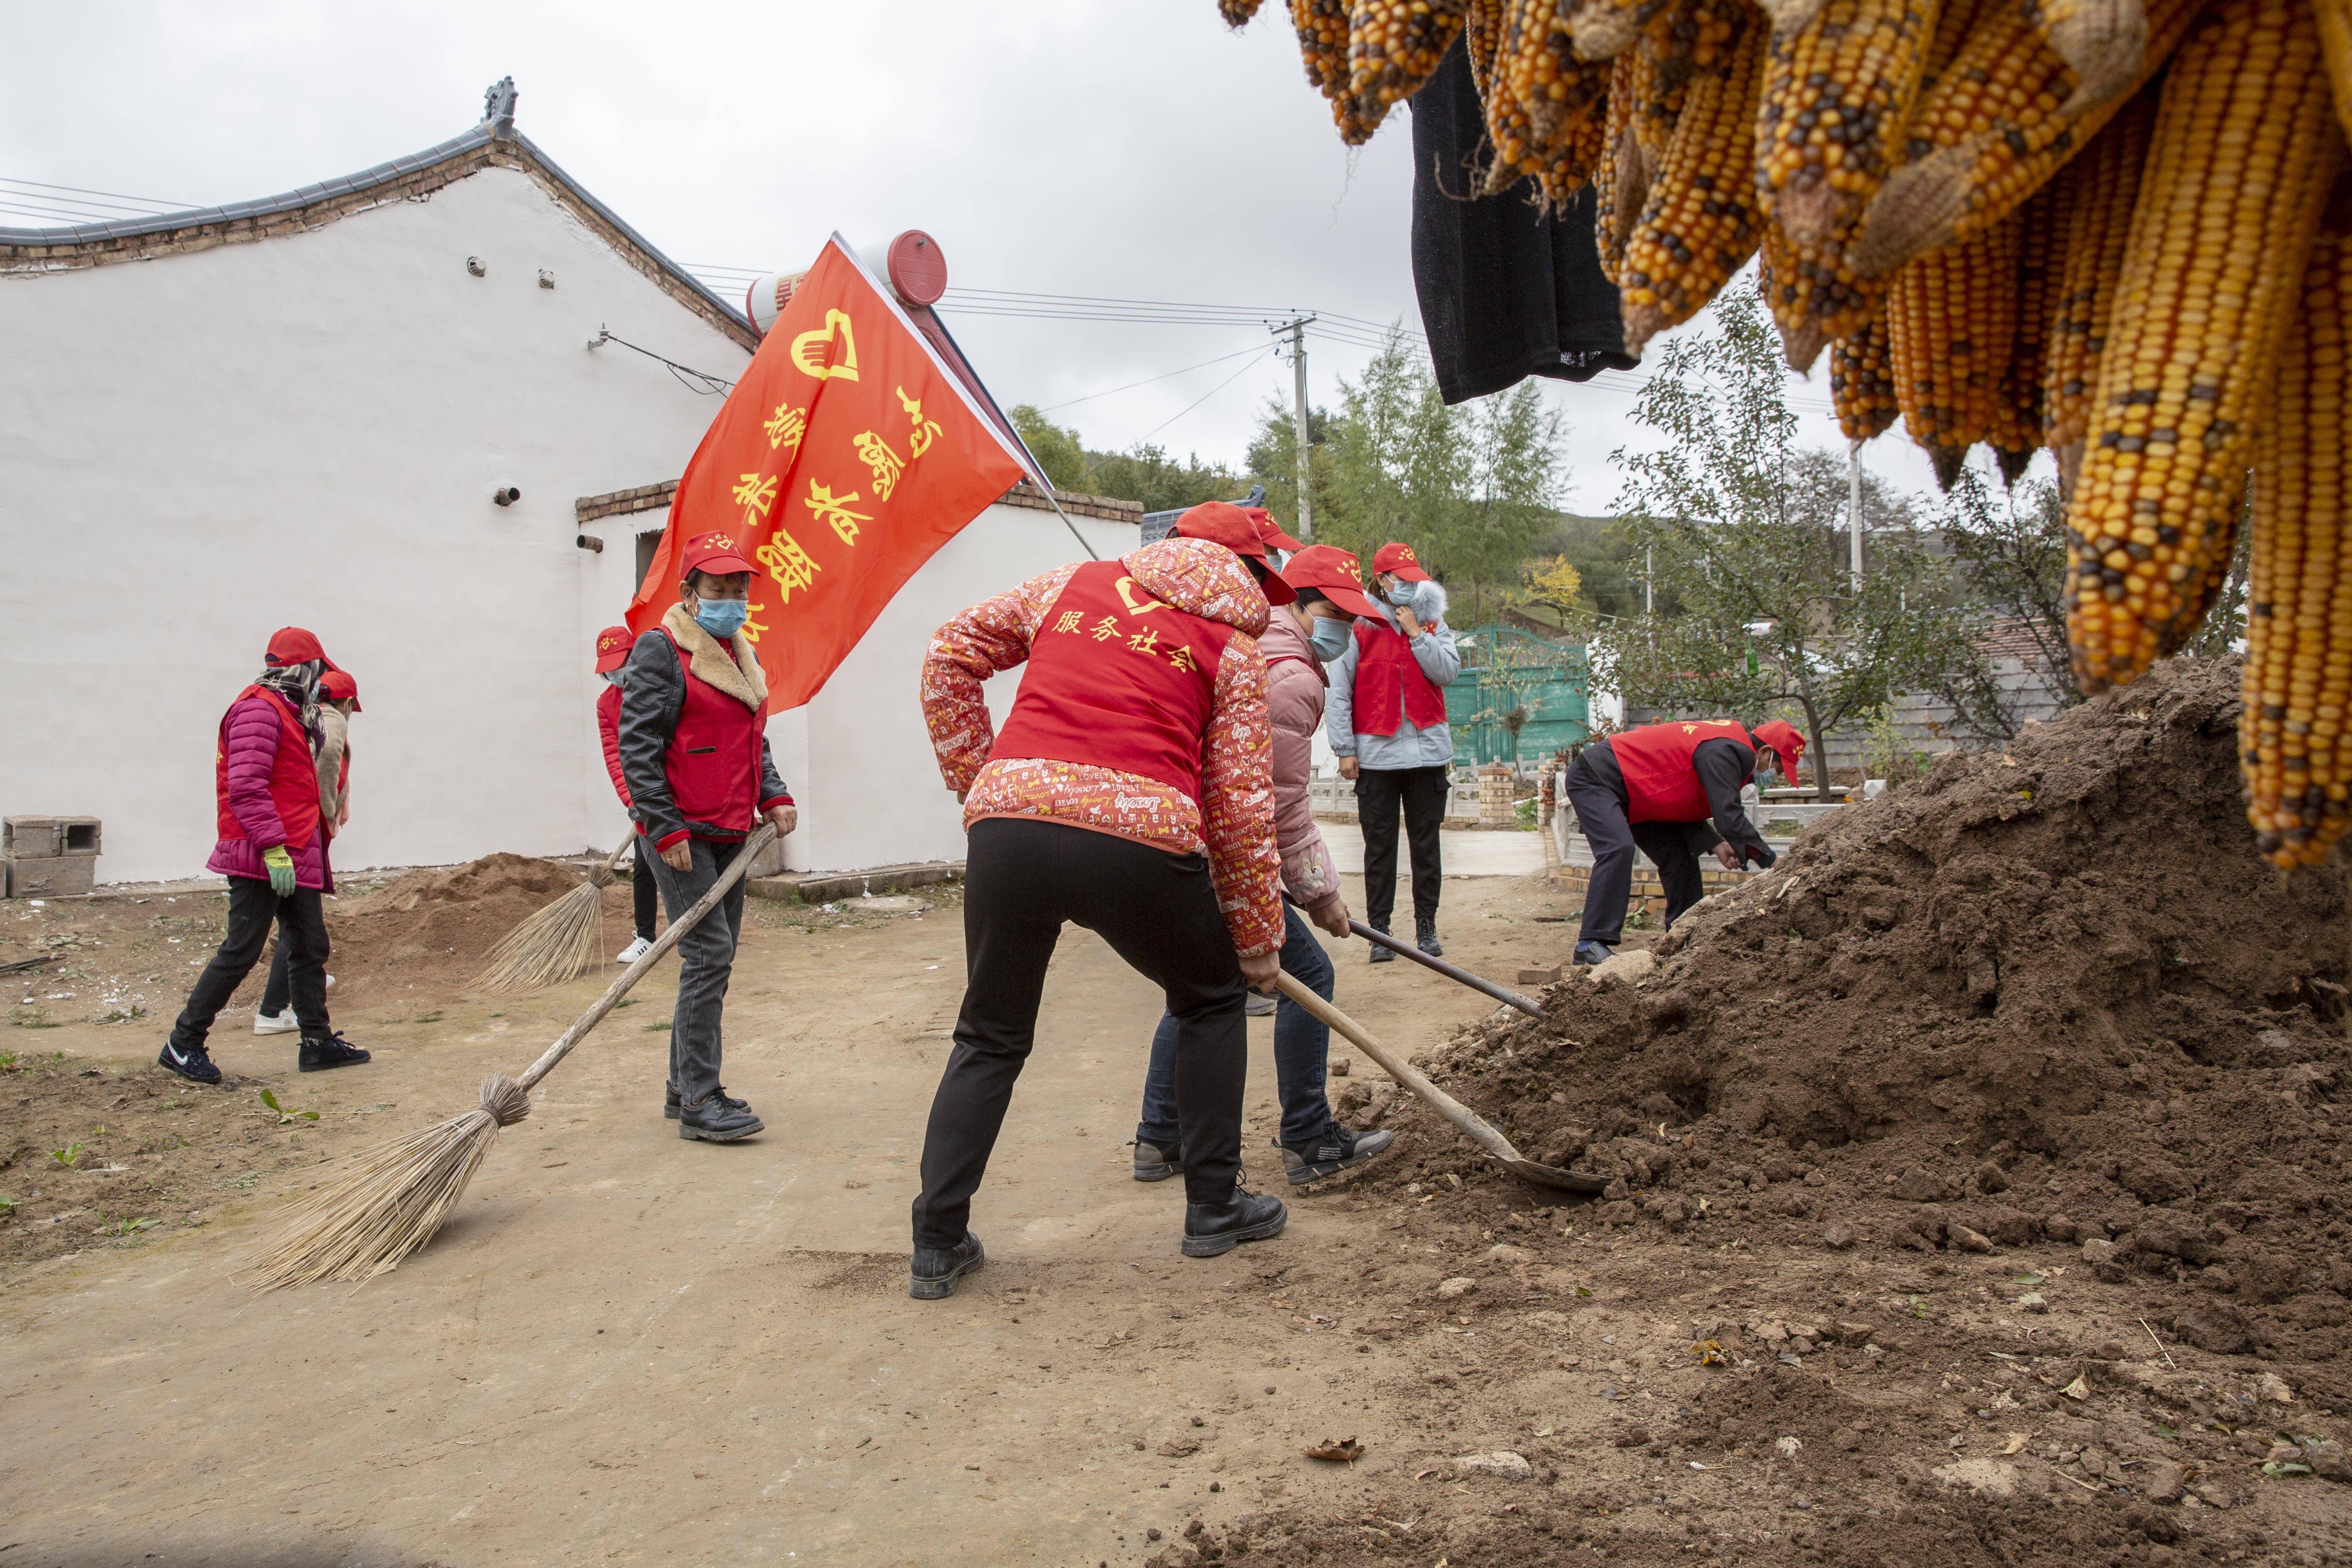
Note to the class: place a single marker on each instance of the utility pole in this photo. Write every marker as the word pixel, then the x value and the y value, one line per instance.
pixel 1297 328
pixel 1853 513
pixel 1649 578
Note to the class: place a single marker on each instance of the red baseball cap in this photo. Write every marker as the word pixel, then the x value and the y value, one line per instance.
pixel 1399 561
pixel 1270 530
pixel 1222 522
pixel 613 646
pixel 714 553
pixel 337 685
pixel 292 644
pixel 1334 572
pixel 1785 741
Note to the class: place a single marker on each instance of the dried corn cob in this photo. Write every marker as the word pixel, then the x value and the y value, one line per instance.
pixel 1481 40
pixel 2335 43
pixel 1815 298
pixel 1991 131
pixel 1621 185
pixel 2017 420
pixel 2298 677
pixel 2103 41
pixel 2237 170
pixel 1700 223
pixel 1394 47
pixel 1952 318
pixel 2103 182
pixel 1836 95
pixel 1573 167
pixel 1861 381
pixel 1322 29
pixel 1237 13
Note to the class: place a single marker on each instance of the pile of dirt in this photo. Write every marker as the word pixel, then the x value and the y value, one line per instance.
pixel 2045 993
pixel 434 928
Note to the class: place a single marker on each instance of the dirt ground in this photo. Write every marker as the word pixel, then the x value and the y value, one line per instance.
pixel 633 1348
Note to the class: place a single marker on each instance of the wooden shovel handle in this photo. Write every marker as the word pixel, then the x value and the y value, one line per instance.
pixel 653 954
pixel 1509 998
pixel 1473 1125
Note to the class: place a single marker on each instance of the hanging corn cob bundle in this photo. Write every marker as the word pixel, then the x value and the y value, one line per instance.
pixel 1545 110
pixel 1954 317
pixel 1394 47
pixel 2238 169
pixel 2017 414
pixel 2298 689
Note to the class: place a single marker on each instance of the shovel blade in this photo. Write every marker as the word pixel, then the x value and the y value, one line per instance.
pixel 1553 1176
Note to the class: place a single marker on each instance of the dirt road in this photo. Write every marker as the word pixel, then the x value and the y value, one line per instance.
pixel 632 1348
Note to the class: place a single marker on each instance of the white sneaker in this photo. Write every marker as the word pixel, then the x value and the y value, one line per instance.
pixel 283 1023
pixel 330 983
pixel 634 951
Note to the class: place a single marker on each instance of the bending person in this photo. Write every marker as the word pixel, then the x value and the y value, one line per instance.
pixel 1130 792
pixel 1671 791
pixel 1300 639
pixel 694 750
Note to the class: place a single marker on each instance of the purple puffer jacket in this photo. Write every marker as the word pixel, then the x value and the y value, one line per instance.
pixel 250 739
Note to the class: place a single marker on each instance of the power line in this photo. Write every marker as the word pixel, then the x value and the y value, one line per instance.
pixel 1148 380
pixel 1204 397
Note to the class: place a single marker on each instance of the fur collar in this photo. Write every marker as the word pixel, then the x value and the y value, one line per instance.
pixel 731 666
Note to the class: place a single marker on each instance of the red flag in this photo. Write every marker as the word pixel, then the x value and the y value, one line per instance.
pixel 846 456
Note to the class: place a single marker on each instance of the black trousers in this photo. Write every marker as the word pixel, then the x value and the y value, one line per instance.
pixel 253 909
pixel 1159 912
pixel 1673 847
pixel 646 895
pixel 1422 793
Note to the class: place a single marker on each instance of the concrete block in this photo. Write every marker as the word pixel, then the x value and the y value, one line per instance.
pixel 52 877
pixel 46 838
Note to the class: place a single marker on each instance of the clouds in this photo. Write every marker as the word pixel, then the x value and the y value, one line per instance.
pixel 1133 148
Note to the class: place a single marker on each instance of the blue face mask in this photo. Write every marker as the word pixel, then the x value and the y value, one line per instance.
pixel 720 617
pixel 1331 638
pixel 1400 596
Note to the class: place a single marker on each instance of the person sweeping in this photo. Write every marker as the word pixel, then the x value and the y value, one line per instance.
pixel 1673 792
pixel 1129 792
pixel 273 850
pixel 339 699
pixel 694 755
pixel 1300 639
pixel 613 646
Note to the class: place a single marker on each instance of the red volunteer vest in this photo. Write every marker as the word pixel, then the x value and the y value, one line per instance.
pixel 293 775
pixel 1117 680
pixel 1389 681
pixel 713 760
pixel 1661 784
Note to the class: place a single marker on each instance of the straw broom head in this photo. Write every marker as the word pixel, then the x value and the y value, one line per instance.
pixel 384 1203
pixel 555 945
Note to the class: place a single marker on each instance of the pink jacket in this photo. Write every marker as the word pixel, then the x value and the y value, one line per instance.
pixel 252 737
pixel 1295 685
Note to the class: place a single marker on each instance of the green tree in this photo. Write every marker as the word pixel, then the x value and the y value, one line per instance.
pixel 1754 616
pixel 1058 449
pixel 1273 461
pixel 2011 549
pixel 1149 474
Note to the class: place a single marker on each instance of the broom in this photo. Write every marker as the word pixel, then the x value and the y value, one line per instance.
pixel 555 945
pixel 386 1202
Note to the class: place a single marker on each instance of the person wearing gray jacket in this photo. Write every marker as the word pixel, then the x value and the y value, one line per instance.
pixel 1386 723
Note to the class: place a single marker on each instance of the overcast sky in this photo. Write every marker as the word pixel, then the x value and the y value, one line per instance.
pixel 1129 148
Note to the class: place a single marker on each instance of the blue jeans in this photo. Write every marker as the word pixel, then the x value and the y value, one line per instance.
pixel 1302 1046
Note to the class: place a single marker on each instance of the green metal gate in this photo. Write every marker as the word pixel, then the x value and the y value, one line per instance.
pixel 1512 677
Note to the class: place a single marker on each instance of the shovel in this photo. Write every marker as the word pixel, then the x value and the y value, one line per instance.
pixel 1476 1128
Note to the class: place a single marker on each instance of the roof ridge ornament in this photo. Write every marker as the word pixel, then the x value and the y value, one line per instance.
pixel 499 107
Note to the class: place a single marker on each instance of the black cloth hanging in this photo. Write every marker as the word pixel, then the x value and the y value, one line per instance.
pixel 1505 292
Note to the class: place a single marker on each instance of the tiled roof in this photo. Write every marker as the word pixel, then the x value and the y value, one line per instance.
pixel 492 143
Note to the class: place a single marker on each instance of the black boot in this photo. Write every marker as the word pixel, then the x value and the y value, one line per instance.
pixel 1425 937
pixel 669 1101
pixel 715 1119
pixel 1336 1151
pixel 936 1269
pixel 1211 1230
pixel 1158 1161
pixel 334 1051
pixel 1381 954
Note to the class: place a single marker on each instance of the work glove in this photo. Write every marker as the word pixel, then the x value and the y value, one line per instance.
pixel 281 869
pixel 1762 855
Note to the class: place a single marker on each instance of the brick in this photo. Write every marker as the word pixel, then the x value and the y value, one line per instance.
pixel 56 877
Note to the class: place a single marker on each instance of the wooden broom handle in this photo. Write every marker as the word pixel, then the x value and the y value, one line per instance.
pixel 1473 1125
pixel 622 854
pixel 653 955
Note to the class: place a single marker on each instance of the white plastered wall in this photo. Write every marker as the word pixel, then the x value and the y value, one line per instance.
pixel 199 448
